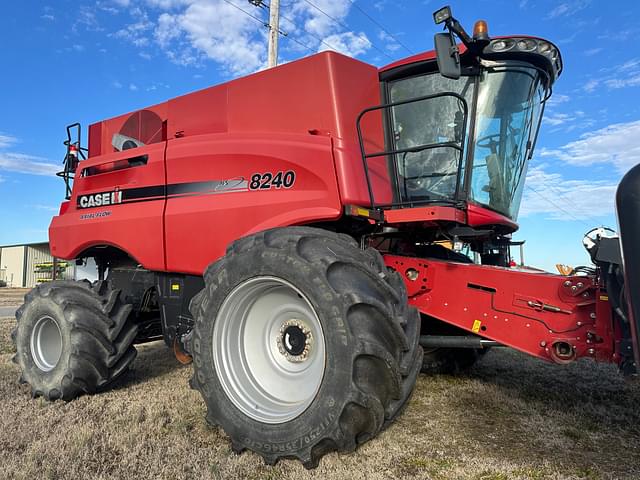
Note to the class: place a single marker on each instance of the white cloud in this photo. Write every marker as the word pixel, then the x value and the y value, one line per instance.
pixel 623 75
pixel 632 81
pixel 133 87
pixel 390 43
pixel 316 22
pixel 212 29
pixel 86 18
pixel 591 85
pixel 167 29
pixel 21 163
pixel 568 8
pixel 48 16
pixel 7 140
pixel 616 145
pixel 167 4
pixel 593 51
pixel 347 43
pixel 557 99
pixel 555 119
pixel 190 32
pixel 559 198
pixel 137 32
pixel 48 208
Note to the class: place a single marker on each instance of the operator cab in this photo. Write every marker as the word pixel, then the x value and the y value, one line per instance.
pixel 460 124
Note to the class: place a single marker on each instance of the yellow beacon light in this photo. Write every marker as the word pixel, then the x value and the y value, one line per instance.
pixel 480 30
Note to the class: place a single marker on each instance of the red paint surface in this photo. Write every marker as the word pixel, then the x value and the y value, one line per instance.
pixel 425 215
pixel 299 116
pixel 461 294
pixel 478 216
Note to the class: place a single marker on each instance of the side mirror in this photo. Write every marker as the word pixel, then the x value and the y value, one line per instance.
pixel 447 55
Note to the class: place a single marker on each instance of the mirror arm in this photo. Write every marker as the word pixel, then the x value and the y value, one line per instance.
pixel 455 27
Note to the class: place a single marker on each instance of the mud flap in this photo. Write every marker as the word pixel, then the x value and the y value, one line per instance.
pixel 628 211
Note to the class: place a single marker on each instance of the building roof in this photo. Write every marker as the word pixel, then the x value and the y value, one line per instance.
pixel 24 244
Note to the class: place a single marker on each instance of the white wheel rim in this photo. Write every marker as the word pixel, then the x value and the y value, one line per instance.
pixel 46 343
pixel 269 349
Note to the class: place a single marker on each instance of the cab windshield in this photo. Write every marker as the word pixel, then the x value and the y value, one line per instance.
pixel 482 156
pixel 508 115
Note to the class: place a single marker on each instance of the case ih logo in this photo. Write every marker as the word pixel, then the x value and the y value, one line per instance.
pixel 100 199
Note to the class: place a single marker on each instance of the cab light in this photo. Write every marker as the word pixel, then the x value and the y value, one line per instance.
pixel 544 48
pixel 480 30
pixel 527 44
pixel 502 45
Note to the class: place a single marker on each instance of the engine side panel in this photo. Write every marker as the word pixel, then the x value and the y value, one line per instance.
pixel 224 187
pixel 117 200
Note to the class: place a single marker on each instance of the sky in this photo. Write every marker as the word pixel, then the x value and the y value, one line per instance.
pixel 88 60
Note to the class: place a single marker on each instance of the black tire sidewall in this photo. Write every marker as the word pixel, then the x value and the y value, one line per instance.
pixel 39 379
pixel 322 415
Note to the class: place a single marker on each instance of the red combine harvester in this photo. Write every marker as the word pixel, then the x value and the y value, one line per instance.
pixel 299 233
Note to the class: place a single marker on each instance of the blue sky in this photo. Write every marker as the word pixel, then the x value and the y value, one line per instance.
pixel 68 61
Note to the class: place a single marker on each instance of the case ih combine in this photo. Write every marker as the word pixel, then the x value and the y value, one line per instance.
pixel 287 231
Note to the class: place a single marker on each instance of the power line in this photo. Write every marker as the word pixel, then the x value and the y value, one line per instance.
pixel 262 22
pixel 557 206
pixel 304 45
pixel 556 190
pixel 285 34
pixel 346 27
pixel 381 27
pixel 261 4
pixel 308 33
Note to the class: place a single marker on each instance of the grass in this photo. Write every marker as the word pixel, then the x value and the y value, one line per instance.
pixel 511 417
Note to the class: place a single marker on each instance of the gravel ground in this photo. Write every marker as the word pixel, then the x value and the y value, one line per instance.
pixel 511 417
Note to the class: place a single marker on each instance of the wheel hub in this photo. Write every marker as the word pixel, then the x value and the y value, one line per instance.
pixel 295 340
pixel 46 343
pixel 269 349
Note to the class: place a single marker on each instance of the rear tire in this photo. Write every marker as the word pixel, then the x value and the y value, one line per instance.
pixel 73 338
pixel 362 359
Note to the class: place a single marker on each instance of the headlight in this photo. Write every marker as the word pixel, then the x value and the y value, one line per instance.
pixel 544 48
pixel 526 44
pixel 502 45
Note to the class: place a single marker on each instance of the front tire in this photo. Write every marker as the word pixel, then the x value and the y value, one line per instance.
pixel 303 344
pixel 73 338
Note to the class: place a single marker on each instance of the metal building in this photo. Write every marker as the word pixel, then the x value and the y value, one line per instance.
pixel 27 265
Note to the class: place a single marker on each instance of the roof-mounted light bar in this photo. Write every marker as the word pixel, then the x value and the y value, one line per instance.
pixel 527 45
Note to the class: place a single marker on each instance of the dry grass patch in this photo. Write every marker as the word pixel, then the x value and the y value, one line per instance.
pixel 512 417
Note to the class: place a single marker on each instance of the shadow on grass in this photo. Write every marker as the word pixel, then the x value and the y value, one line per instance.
pixel 154 360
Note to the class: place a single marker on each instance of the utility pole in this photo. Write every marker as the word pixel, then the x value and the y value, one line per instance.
pixel 274 31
